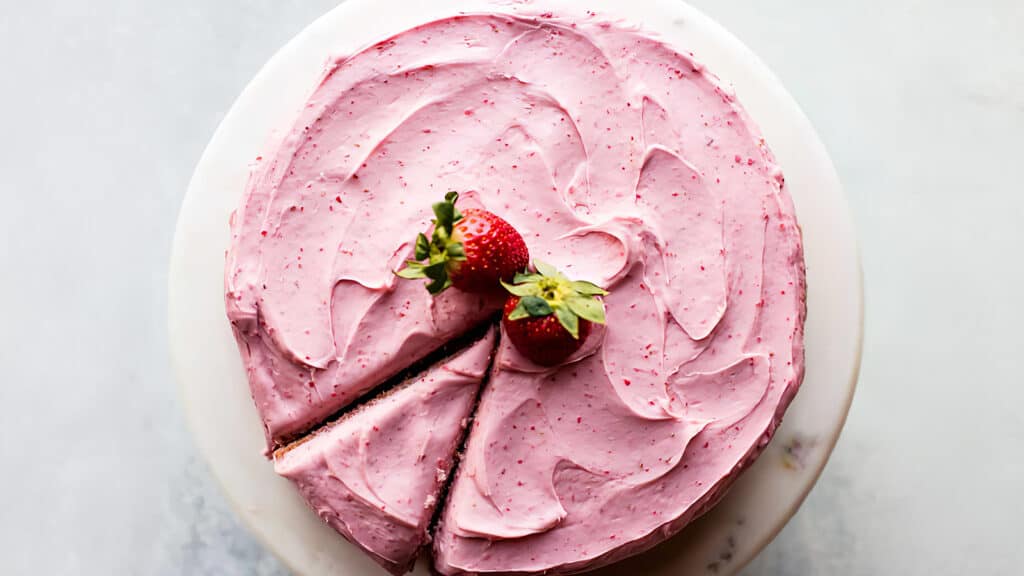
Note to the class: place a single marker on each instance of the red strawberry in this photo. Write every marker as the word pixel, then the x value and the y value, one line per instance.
pixel 473 250
pixel 547 316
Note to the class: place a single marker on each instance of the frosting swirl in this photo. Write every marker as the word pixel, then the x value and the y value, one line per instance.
pixel 620 160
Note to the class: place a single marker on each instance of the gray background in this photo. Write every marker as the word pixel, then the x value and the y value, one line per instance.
pixel 105 107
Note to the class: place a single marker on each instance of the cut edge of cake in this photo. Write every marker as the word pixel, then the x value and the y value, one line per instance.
pixel 385 385
pixel 322 464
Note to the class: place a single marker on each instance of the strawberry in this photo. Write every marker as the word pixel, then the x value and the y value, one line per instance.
pixel 547 316
pixel 474 250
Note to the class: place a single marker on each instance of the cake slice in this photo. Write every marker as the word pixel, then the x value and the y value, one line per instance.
pixel 375 475
pixel 374 335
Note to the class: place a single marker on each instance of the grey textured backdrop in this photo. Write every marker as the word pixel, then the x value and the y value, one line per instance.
pixel 106 106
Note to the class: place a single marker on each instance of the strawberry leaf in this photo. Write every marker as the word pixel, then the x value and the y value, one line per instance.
pixel 438 286
pixel 519 312
pixel 522 277
pixel 456 251
pixel 546 269
pixel 438 251
pixel 535 305
pixel 587 288
pixel 569 321
pixel 521 289
pixel 444 213
pixel 435 270
pixel 440 239
pixel 411 271
pixel 587 308
pixel 422 246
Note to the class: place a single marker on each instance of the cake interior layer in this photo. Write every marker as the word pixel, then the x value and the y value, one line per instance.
pixel 460 449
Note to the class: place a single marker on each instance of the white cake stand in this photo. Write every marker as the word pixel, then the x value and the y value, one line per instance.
pixel 216 397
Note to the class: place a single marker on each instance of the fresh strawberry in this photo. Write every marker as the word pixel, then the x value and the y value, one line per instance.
pixel 473 251
pixel 547 316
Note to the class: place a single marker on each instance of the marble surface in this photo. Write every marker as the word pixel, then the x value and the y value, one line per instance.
pixel 108 104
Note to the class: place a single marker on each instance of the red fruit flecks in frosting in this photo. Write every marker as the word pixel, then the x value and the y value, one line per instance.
pixel 474 250
pixel 547 316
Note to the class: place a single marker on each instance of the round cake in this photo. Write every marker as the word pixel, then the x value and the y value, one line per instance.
pixel 619 159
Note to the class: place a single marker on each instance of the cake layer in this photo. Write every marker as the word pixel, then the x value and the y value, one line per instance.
pixel 375 475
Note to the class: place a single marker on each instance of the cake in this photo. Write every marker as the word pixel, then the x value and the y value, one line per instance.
pixel 619 159
pixel 375 474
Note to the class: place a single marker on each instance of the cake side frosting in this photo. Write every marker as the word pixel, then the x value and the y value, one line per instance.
pixel 374 476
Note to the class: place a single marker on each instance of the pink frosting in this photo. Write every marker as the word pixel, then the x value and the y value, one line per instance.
pixel 374 476
pixel 620 160
pixel 319 316
pixel 623 161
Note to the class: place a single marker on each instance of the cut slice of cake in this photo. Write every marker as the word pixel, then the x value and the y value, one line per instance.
pixel 375 475
pixel 372 334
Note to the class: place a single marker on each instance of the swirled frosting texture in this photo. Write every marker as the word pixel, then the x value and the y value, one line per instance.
pixel 623 161
pixel 375 475
pixel 620 160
